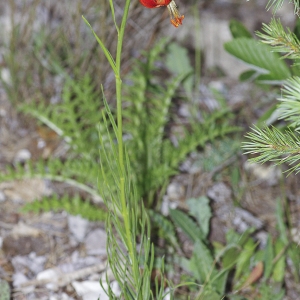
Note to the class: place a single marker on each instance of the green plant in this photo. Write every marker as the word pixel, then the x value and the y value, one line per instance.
pixel 240 259
pixel 137 158
pixel 133 270
pixel 73 205
pixel 279 145
pixel 4 290
pixel 146 119
pixel 148 104
pixel 146 115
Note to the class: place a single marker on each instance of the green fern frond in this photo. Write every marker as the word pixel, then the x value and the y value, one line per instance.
pixel 147 112
pixel 270 144
pixel 72 205
pixel 75 117
pixel 79 173
pixel 216 152
pixel 282 41
pixel 212 127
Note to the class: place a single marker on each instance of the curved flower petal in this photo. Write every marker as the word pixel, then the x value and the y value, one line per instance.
pixel 154 3
pixel 175 16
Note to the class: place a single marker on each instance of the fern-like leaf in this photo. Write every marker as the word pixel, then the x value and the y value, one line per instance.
pixel 73 205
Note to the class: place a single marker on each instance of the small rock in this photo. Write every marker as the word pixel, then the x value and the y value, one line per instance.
pixel 22 229
pixel 175 191
pixel 52 275
pixel 5 75
pixel 220 193
pixel 95 242
pixel 32 262
pixel 78 262
pixel 78 227
pixel 90 290
pixel 22 156
pixel 63 296
pixel 184 110
pixel 262 237
pixel 217 85
pixel 25 190
pixel 25 239
pixel 166 205
pixel 269 174
pixel 248 218
pixel 2 197
pixel 19 279
pixel 295 234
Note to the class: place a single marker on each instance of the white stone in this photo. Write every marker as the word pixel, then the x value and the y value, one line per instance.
pixel 270 174
pixel 220 193
pixel 51 275
pixel 2 197
pixel 78 227
pixel 96 242
pixel 175 191
pixel 5 75
pixel 22 155
pixel 19 279
pixel 90 290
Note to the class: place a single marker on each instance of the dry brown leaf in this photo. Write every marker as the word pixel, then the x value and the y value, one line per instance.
pixel 255 274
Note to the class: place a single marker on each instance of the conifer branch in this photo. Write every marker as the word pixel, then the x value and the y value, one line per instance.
pixel 270 144
pixel 277 4
pixel 289 108
pixel 284 42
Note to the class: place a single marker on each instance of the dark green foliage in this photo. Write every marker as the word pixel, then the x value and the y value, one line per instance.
pixel 165 227
pixel 238 29
pixel 297 29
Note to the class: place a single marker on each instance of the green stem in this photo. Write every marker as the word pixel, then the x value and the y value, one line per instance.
pixel 125 207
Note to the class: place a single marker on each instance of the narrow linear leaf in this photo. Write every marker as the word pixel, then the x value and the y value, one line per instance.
pixel 279 267
pixel 269 256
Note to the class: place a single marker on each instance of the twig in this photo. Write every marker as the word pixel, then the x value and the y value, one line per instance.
pixel 65 278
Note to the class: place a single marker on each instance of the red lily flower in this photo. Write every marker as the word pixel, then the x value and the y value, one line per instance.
pixel 175 16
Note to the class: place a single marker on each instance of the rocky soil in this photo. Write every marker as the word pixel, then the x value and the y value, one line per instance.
pixel 59 256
